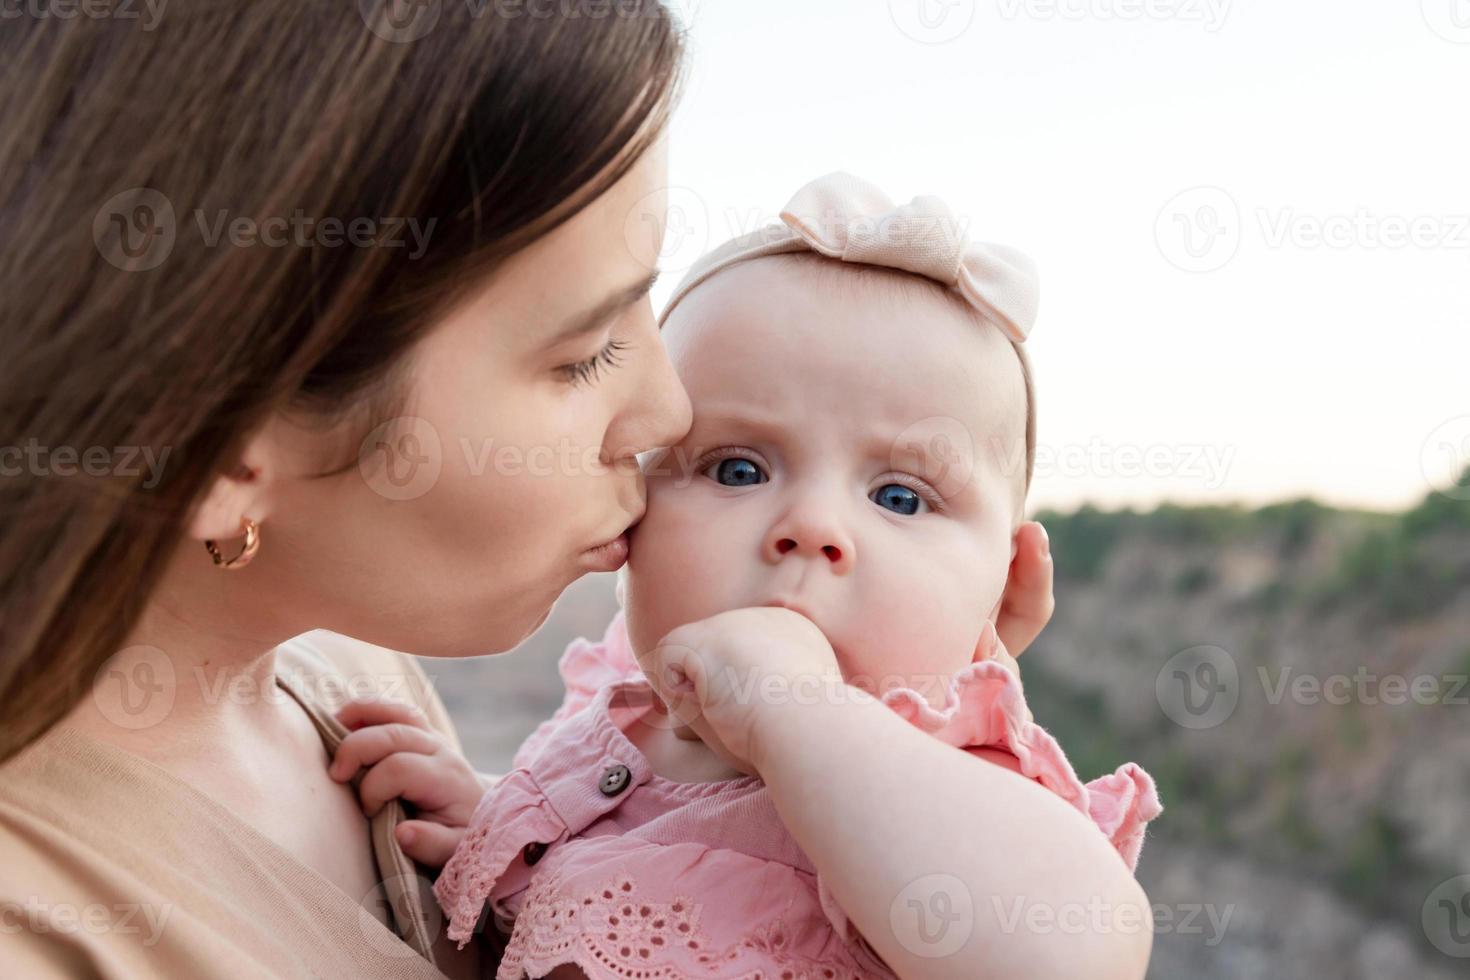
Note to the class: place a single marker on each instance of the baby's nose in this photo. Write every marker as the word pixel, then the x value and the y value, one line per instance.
pixel 811 538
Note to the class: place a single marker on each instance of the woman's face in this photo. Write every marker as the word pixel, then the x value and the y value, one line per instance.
pixel 514 454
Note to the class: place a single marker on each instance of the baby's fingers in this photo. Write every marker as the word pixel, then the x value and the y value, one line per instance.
pixel 416 778
pixel 428 843
pixel 369 746
pixel 360 714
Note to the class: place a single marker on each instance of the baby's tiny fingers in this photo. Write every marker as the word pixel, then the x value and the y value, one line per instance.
pixel 369 746
pixel 428 843
pixel 409 775
pixel 360 714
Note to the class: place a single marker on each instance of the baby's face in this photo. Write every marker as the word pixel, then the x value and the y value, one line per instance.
pixel 856 454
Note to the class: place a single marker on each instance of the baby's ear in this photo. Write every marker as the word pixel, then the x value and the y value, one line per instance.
pixel 988 634
pixel 986 646
pixel 1010 574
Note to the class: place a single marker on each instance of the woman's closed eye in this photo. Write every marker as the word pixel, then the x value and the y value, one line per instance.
pixel 587 372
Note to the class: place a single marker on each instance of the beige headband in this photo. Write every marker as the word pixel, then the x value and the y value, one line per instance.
pixel 844 217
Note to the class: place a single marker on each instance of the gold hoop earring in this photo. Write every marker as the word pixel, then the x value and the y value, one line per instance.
pixel 252 545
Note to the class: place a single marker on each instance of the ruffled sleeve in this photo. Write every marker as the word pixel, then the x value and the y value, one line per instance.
pixel 984 712
pixel 585 668
pixel 1122 805
pixel 512 815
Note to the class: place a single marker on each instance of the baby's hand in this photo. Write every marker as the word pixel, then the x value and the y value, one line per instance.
pixel 723 675
pixel 405 757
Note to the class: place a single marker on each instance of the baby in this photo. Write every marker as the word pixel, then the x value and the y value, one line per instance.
pixel 861 451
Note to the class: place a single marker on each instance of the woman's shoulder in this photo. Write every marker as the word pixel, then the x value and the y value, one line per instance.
pixel 333 669
pixel 115 868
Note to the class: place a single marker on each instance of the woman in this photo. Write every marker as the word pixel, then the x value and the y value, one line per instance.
pixel 321 265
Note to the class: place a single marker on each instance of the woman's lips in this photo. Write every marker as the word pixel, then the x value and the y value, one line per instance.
pixel 607 557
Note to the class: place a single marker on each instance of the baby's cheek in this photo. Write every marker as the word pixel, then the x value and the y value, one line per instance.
pixel 903 639
pixel 673 572
pixel 919 624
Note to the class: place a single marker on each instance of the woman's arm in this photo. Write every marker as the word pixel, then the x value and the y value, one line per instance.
pixel 923 845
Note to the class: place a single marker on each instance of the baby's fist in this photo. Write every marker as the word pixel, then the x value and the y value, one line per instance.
pixel 729 675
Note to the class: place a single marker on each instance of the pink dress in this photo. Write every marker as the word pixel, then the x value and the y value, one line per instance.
pixel 603 864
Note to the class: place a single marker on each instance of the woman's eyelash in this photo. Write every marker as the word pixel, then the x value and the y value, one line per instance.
pixel 588 371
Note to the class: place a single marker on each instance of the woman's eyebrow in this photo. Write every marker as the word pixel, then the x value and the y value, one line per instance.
pixel 603 311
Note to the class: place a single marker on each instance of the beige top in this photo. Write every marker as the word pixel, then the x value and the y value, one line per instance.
pixel 112 867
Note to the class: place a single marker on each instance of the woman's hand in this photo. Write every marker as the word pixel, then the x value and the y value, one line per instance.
pixel 405 757
pixel 725 675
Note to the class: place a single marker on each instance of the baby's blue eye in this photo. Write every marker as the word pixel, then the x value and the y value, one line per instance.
pixel 737 472
pixel 897 498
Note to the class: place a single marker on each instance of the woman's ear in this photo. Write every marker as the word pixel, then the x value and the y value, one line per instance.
pixel 244 491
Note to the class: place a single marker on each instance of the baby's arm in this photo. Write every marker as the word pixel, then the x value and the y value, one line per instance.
pixel 902 825
pixel 912 809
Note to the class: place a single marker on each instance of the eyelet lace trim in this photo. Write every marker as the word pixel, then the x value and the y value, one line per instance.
pixel 610 932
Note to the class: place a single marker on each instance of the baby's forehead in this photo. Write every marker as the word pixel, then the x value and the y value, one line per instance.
pixel 889 322
pixel 819 336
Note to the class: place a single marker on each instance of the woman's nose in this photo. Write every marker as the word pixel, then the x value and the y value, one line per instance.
pixel 660 414
pixel 813 533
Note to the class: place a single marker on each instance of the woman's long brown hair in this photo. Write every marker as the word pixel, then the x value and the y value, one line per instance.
pixel 129 328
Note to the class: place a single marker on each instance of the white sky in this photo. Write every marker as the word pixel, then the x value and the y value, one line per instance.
pixel 1069 128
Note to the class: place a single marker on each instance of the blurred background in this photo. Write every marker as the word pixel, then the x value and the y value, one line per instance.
pixel 1253 226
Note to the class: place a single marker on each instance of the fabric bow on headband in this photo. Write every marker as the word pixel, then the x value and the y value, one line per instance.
pixel 844 217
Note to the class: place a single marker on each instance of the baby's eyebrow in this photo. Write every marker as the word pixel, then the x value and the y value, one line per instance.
pixel 934 451
pixel 753 425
